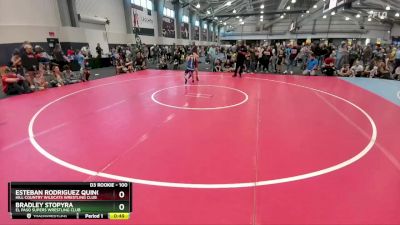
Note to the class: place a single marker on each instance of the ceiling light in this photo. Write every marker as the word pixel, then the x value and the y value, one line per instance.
pixel 208 12
pixel 302 15
pixel 261 20
pixel 315 6
pixel 261 6
pixel 282 16
pixel 369 19
pixel 397 15
pixel 308 11
pixel 262 12
pixel 358 15
pixel 198 5
pixel 229 3
pixel 240 20
pixel 288 8
pixel 293 1
pixel 234 11
pixel 388 7
pixel 225 23
pixel 347 18
pixel 333 13
pixel 237 17
pixel 324 16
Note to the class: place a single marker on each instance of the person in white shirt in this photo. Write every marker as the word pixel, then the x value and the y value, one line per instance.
pixel 357 69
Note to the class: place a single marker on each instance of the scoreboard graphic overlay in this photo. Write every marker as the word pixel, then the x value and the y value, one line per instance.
pixel 68 200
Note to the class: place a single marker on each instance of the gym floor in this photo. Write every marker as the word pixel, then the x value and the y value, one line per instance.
pixel 262 149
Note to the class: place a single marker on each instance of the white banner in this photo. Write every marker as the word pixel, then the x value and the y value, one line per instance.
pixel 142 19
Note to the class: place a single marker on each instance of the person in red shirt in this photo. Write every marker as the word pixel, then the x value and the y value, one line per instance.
pixel 70 52
pixel 12 83
pixel 329 66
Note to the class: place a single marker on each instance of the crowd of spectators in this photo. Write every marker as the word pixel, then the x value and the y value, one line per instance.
pixel 33 69
pixel 374 61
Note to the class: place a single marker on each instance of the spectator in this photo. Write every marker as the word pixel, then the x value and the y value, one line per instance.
pixel 311 67
pixel 163 63
pixel 13 84
pixel 120 66
pixel 383 71
pixel 397 73
pixel 70 77
pixel 345 71
pixel 58 75
pixel 99 50
pixel 85 74
pixel 39 80
pixel 29 63
pixel 218 66
pixel 357 69
pixel 140 63
pixel 229 66
pixel 280 60
pixel 213 55
pixel 292 57
pixel 59 58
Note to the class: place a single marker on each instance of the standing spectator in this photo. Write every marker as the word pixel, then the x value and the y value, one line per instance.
pixel 99 50
pixel 280 60
pixel 367 55
pixel 29 63
pixel 253 61
pixel 80 58
pixel 59 57
pixel 41 55
pixel 212 55
pixel 292 59
pixel 70 53
pixel 342 56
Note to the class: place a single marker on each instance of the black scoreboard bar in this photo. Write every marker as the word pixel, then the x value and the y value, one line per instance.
pixel 69 200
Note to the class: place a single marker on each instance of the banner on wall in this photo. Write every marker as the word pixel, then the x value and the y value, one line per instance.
pixel 144 20
pixel 196 33
pixel 168 27
pixel 184 30
pixel 204 34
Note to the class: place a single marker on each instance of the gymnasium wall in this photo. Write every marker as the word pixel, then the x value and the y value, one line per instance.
pixel 37 20
pixel 338 28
